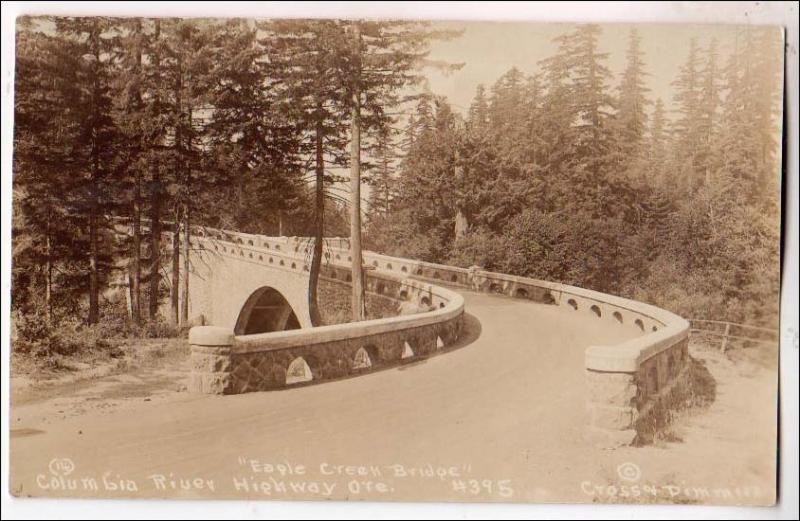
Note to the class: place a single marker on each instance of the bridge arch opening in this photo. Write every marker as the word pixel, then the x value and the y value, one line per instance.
pixel 266 310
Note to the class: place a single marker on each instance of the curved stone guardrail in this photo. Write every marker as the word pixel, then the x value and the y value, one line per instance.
pixel 224 363
pixel 628 385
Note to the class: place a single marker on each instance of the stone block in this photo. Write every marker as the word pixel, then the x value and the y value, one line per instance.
pixel 210 363
pixel 210 336
pixel 610 439
pixel 611 417
pixel 610 389
pixel 209 383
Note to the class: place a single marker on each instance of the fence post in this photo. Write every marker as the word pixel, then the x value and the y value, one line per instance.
pixel 725 338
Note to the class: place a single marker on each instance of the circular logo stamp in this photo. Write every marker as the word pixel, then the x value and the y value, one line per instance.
pixel 61 466
pixel 629 471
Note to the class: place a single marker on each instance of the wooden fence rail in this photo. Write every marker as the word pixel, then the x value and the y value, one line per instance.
pixel 733 331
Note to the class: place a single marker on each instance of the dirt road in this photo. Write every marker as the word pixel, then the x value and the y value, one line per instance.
pixel 499 419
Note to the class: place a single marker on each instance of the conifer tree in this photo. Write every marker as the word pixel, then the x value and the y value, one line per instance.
pixel 306 59
pixel 633 101
pixel 688 125
pixel 131 120
pixel 48 228
pixel 385 59
pixel 709 99
pixel 94 147
pixel 478 117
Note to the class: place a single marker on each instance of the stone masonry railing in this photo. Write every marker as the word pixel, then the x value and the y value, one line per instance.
pixel 224 363
pixel 627 384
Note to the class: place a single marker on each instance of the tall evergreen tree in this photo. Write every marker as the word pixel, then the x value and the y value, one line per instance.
pixel 709 99
pixel 385 59
pixel 251 130
pixel 688 125
pixel 633 101
pixel 92 39
pixel 49 226
pixel 658 144
pixel 131 120
pixel 478 116
pixel 306 59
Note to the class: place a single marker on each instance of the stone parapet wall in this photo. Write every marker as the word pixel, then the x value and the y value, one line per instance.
pixel 245 369
pixel 226 364
pixel 223 363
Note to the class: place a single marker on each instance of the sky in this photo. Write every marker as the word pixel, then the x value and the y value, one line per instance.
pixel 489 49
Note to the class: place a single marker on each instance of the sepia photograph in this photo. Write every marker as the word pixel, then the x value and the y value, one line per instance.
pixel 392 259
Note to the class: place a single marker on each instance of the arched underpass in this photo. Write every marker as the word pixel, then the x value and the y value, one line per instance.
pixel 265 311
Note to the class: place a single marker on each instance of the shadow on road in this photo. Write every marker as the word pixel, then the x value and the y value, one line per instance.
pixel 470 332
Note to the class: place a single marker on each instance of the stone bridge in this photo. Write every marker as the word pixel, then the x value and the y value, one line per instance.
pixel 250 292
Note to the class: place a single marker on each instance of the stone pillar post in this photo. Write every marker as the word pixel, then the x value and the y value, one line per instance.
pixel 612 401
pixel 210 359
pixel 474 283
pixel 611 408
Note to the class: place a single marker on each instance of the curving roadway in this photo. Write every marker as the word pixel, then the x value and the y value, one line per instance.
pixel 500 418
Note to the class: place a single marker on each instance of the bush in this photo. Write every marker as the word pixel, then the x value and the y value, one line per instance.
pixel 114 323
pixel 477 247
pixel 34 335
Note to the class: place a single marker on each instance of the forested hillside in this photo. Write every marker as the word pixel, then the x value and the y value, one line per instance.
pixel 159 123
pixel 560 176
pixel 569 174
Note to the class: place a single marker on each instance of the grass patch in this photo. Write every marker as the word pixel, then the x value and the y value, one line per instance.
pixel 695 389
